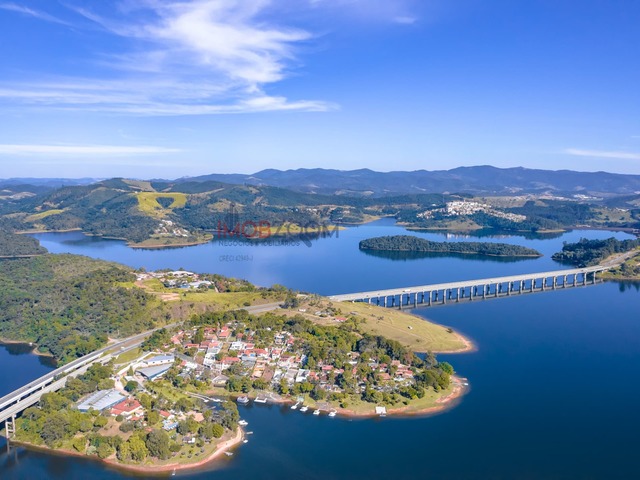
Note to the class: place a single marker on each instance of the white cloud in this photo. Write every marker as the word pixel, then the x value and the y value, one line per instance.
pixel 184 57
pixel 603 154
pixel 65 150
pixel 31 12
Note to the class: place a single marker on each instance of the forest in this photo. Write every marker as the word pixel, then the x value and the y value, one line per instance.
pixel 13 245
pixel 68 305
pixel 591 252
pixel 409 243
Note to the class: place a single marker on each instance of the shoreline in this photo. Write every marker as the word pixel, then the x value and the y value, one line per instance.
pixel 443 403
pixel 469 345
pixel 171 467
pixel 34 347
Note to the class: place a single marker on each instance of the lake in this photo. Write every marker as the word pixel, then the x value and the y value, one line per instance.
pixel 554 383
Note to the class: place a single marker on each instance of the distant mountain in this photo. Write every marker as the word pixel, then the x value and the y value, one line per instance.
pixel 480 180
pixel 11 183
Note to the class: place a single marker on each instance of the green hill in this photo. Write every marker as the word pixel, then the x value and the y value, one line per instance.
pixel 68 304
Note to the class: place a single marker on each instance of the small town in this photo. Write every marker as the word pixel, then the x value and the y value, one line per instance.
pixel 174 400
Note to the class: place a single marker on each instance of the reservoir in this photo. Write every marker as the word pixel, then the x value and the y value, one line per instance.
pixel 554 382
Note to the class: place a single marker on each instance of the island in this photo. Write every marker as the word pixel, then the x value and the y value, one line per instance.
pixel 409 243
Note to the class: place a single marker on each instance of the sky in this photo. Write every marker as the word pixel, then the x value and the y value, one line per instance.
pixel 172 88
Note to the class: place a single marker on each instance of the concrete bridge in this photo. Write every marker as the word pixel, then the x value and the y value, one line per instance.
pixel 441 293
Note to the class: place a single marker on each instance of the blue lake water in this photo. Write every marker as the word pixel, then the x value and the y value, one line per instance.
pixel 554 382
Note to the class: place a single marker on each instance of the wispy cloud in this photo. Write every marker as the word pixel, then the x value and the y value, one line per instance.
pixel 405 20
pixel 31 12
pixel 603 154
pixel 184 57
pixel 66 150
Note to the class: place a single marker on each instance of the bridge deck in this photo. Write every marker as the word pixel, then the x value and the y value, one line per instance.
pixel 454 285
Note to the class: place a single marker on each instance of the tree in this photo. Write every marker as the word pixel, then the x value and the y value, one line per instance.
pixel 54 428
pixel 104 450
pixel 138 449
pixel 100 422
pixel 446 367
pixel 153 417
pixel 131 386
pixel 217 430
pixel 158 444
pixel 124 452
pixel 79 444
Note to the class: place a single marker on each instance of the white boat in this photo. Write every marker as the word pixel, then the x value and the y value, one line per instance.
pixel 243 399
pixel 294 407
pixel 244 423
pixel 332 413
pixel 228 454
pixel 304 408
pixel 316 412
pixel 245 441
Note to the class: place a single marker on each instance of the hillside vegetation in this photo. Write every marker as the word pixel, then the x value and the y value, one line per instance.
pixel 12 245
pixel 591 252
pixel 69 305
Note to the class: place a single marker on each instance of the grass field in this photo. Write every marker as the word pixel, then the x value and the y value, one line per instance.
pixel 148 202
pixel 410 330
pixel 39 216
pixel 129 356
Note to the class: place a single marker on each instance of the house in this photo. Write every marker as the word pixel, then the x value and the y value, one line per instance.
pixel 228 361
pixel 220 381
pixel 169 425
pixel 127 408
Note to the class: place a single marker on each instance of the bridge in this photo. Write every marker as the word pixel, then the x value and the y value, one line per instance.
pixel 18 400
pixel 441 293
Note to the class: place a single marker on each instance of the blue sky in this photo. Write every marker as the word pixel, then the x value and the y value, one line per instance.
pixel 152 88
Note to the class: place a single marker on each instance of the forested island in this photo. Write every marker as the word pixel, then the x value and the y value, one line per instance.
pixel 409 243
pixel 591 252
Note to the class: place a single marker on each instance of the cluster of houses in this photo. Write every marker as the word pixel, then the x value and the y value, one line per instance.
pixel 463 208
pixel 177 279
pixel 220 350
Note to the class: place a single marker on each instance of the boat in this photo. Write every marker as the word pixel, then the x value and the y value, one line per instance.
pixel 316 412
pixel 228 454
pixel 294 407
pixel 245 441
pixel 332 413
pixel 216 400
pixel 243 399
pixel 243 423
pixel 249 433
pixel 304 408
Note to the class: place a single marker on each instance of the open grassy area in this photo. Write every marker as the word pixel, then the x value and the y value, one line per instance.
pixel 211 297
pixel 148 202
pixel 158 241
pixel 410 330
pixel 39 216
pixel 129 356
